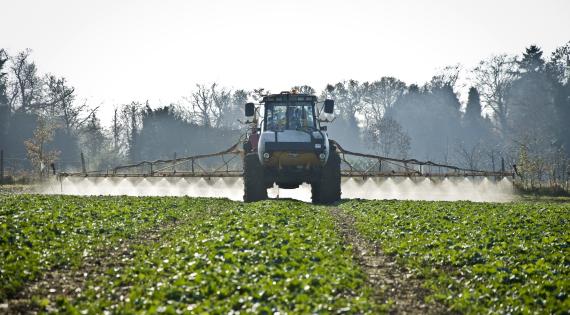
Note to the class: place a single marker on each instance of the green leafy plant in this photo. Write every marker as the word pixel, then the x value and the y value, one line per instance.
pixel 478 257
pixel 40 233
pixel 211 256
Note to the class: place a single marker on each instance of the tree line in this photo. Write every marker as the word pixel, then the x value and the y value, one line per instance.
pixel 517 112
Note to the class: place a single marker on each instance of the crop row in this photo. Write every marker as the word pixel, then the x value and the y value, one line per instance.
pixel 477 257
pixel 214 256
pixel 271 257
pixel 41 233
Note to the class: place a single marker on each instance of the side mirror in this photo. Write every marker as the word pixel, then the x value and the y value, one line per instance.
pixel 323 128
pixel 329 106
pixel 249 109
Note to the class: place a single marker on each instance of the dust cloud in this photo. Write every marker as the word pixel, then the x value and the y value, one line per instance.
pixel 449 189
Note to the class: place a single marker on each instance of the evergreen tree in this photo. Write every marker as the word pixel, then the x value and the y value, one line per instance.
pixel 532 102
pixel 558 71
pixel 532 60
pixel 563 115
pixel 448 99
pixel 473 108
pixel 558 67
pixel 431 117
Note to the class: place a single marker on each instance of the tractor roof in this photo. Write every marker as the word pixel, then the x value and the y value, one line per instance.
pixel 290 97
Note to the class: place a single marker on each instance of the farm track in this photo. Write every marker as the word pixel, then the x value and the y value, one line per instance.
pixel 392 284
pixel 69 282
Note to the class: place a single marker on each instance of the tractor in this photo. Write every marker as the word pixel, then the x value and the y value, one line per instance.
pixel 287 146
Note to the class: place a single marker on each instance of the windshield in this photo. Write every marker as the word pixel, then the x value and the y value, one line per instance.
pixel 295 116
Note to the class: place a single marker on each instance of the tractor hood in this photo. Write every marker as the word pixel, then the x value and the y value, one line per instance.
pixel 286 136
pixel 293 141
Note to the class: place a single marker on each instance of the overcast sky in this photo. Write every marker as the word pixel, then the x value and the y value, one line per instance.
pixel 118 51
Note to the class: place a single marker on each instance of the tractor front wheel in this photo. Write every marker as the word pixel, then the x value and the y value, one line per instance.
pixel 253 185
pixel 326 189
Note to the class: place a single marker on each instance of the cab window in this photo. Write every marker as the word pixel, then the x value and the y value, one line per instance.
pixel 279 116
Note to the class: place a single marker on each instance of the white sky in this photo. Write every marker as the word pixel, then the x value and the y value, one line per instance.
pixel 115 52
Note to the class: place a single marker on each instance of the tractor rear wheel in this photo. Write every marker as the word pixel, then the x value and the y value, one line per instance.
pixel 253 185
pixel 327 188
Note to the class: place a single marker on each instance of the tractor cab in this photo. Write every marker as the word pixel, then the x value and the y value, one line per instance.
pixel 289 112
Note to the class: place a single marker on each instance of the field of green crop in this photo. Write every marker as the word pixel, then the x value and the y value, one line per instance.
pixel 40 233
pixel 94 255
pixel 214 255
pixel 478 257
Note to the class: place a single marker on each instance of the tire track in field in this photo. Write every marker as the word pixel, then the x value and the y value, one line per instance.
pixel 70 283
pixel 392 284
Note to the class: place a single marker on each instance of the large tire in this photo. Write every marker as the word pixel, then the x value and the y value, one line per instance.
pixel 327 188
pixel 253 185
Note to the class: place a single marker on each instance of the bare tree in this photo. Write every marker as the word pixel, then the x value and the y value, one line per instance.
pixel 201 101
pixel 26 85
pixel 5 109
pixel 115 128
pixel 348 96
pixel 493 78
pixel 211 105
pixel 60 101
pixel 221 103
pixel 469 156
pixel 36 146
pixel 3 87
pixel 58 98
pixel 379 97
pixel 236 111
pixel 449 75
pixel 131 122
pixel 92 138
pixel 388 138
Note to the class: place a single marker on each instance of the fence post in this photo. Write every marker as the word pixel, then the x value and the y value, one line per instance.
pixel 174 164
pixel 1 167
pixel 83 170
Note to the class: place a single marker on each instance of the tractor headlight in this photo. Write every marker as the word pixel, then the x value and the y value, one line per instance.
pixel 322 156
pixel 265 155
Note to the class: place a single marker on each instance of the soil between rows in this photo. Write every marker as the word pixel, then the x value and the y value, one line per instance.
pixel 392 284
